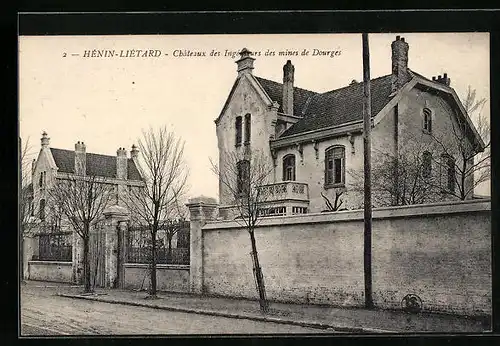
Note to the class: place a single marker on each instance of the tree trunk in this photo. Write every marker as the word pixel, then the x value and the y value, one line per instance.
pixel 86 264
pixel 258 275
pixel 152 289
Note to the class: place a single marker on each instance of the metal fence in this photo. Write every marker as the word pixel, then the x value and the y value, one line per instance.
pixel 143 255
pixel 54 247
pixel 139 246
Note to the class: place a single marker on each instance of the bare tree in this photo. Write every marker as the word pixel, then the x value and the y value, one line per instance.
pixel 82 200
pixel 337 202
pixel 404 177
pixel 465 162
pixel 165 175
pixel 243 176
pixel 172 226
pixel 27 221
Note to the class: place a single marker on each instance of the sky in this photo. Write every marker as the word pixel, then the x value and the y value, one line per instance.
pixel 107 102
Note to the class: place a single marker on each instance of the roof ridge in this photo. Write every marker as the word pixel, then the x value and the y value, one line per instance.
pixel 87 153
pixel 295 87
pixel 350 85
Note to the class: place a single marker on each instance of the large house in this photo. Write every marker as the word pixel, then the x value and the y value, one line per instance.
pixel 314 140
pixel 55 164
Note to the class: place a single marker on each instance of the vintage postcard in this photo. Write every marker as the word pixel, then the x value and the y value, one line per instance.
pixel 255 184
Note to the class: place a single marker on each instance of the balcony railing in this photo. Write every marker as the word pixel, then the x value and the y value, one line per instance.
pixel 287 190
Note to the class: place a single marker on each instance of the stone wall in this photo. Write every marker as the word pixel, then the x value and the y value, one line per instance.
pixel 441 252
pixel 172 278
pixel 50 271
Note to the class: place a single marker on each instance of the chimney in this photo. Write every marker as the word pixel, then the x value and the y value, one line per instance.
pixel 400 73
pixel 442 80
pixel 45 140
pixel 245 63
pixel 121 163
pixel 80 158
pixel 288 72
pixel 134 153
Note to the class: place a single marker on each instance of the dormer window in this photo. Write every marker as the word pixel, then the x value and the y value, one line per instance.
pixel 238 129
pixel 427 120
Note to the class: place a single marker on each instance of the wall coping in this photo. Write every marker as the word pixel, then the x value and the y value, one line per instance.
pixel 52 262
pixel 441 208
pixel 158 266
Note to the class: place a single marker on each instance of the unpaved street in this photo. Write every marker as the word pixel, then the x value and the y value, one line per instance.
pixel 43 313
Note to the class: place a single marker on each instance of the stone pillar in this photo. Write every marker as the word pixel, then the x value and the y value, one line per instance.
pixel 122 251
pixel 30 251
pixel 116 216
pixel 201 210
pixel 77 258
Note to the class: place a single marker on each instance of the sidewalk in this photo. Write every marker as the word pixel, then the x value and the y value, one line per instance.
pixel 344 320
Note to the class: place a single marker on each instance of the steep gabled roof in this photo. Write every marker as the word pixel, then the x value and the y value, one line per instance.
pixel 97 164
pixel 275 92
pixel 335 107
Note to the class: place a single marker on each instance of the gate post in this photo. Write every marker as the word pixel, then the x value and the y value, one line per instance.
pixel 77 258
pixel 201 210
pixel 116 218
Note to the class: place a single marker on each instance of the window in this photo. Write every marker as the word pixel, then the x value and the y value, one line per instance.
pixel 42 209
pixel 299 210
pixel 238 131
pixel 426 164
pixel 427 125
pixel 243 179
pixel 289 167
pixel 248 128
pixel 448 176
pixel 41 181
pixel 334 166
pixel 272 211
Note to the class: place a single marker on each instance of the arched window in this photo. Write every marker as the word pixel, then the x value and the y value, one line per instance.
pixel 448 172
pixel 426 164
pixel 289 167
pixel 335 166
pixel 243 179
pixel 238 131
pixel 42 209
pixel 248 128
pixel 427 121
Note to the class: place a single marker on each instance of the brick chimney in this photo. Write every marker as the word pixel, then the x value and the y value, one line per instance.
pixel 245 63
pixel 288 75
pixel 443 80
pixel 134 153
pixel 121 163
pixel 45 140
pixel 80 158
pixel 400 73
